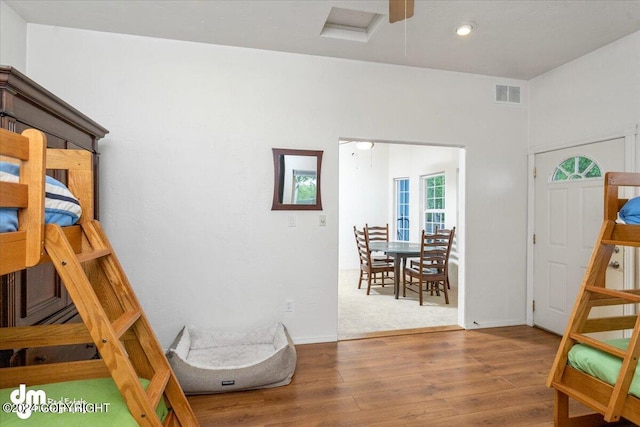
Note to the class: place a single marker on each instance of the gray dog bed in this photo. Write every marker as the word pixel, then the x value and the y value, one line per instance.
pixel 216 362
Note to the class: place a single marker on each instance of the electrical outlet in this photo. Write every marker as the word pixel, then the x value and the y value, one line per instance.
pixel 288 306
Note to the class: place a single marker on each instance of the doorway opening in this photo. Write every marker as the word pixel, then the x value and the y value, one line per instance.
pixel 396 184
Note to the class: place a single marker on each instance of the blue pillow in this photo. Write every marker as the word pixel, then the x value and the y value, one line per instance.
pixel 60 206
pixel 630 212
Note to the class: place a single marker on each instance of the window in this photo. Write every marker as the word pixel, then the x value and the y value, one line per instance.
pixel 434 202
pixel 402 209
pixel 578 167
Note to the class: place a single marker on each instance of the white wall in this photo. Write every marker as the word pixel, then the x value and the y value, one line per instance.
pixel 187 171
pixel 597 95
pixel 13 38
pixel 363 189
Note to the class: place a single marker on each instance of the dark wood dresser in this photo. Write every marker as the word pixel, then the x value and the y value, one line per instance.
pixel 36 295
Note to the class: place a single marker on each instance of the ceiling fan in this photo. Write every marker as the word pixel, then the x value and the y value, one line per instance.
pixel 400 9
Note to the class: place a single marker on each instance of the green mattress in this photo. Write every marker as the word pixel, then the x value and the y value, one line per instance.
pixel 603 365
pixel 94 402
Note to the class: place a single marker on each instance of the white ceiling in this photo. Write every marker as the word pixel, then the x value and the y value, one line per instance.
pixel 513 39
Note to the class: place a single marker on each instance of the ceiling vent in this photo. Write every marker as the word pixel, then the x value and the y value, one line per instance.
pixel 508 94
pixel 347 24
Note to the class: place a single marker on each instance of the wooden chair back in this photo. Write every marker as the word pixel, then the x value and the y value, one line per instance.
pixel 445 236
pixel 433 254
pixel 377 233
pixel 362 245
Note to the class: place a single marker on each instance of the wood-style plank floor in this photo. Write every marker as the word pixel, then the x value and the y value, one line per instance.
pixel 489 377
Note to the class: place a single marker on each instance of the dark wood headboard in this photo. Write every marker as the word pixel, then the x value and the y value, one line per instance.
pixel 26 104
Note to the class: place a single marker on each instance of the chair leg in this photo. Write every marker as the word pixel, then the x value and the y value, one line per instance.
pixel 420 290
pixel 436 286
pixel 446 293
pixel 360 279
pixel 404 285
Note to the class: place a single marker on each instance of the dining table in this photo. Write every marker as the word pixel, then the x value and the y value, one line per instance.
pixel 398 251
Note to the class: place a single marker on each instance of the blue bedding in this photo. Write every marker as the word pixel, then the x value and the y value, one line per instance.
pixel 60 206
pixel 630 212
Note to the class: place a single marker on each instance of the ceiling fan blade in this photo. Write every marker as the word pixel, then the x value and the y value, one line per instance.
pixel 400 9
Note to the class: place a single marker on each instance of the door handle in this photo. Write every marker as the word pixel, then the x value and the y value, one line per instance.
pixel 614 264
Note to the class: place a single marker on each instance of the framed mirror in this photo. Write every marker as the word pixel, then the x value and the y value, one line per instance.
pixel 296 183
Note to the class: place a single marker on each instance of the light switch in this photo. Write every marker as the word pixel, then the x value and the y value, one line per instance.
pixel 323 220
pixel 292 220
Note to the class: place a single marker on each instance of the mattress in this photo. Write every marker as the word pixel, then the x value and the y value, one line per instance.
pixel 60 205
pixel 630 212
pixel 601 365
pixel 94 402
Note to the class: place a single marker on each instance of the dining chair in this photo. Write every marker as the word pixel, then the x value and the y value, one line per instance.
pixel 430 273
pixel 370 268
pixel 446 234
pixel 378 233
pixel 440 237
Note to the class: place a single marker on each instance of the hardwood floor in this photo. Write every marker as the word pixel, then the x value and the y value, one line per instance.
pixel 493 377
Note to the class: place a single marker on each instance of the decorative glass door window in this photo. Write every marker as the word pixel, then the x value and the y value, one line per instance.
pixel 402 209
pixel 434 202
pixel 578 167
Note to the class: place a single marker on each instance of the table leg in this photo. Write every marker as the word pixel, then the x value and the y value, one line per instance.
pixel 396 275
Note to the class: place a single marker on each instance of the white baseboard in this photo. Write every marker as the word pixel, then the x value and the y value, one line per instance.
pixel 315 339
pixel 494 324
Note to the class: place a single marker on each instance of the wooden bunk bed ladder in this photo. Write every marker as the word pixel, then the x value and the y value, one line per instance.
pixel 117 324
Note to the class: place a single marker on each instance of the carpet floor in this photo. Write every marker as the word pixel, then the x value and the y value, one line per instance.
pixel 360 314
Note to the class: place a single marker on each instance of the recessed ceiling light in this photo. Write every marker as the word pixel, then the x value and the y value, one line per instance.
pixel 464 30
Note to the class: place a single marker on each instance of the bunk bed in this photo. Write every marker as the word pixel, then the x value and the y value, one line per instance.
pixel 132 376
pixel 589 368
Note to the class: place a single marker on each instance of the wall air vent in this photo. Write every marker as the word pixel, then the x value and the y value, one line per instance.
pixel 508 94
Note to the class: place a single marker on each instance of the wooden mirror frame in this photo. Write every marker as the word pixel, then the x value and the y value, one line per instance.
pixel 278 205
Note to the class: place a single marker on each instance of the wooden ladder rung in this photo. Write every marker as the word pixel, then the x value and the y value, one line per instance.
pixel 577 394
pixel 89 255
pixel 624 235
pixel 44 335
pixel 598 345
pixel 629 296
pixel 157 385
pixel 125 321
pixel 57 372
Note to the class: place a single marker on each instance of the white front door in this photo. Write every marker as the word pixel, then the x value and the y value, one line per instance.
pixel 568 216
